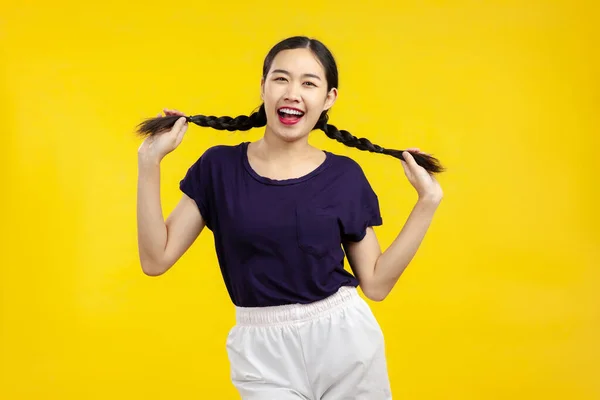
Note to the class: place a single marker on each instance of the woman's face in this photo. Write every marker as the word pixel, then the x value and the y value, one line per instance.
pixel 295 94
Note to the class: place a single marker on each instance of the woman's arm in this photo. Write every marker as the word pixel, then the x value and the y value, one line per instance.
pixel 378 272
pixel 161 243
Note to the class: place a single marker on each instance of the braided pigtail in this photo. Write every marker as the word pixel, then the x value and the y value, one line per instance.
pixel 429 163
pixel 257 119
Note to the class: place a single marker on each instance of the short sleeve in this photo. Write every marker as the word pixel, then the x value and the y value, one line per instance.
pixel 196 185
pixel 362 210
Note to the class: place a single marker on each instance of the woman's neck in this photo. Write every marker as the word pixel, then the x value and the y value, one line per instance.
pixel 274 149
pixel 278 159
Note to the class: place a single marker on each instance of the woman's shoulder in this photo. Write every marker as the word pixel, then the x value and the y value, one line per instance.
pixel 217 152
pixel 346 164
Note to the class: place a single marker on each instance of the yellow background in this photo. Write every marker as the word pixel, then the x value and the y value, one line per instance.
pixel 500 302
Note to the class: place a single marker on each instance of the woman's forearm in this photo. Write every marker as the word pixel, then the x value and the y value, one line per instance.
pixel 394 260
pixel 152 231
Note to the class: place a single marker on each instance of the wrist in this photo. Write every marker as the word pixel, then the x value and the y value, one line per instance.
pixel 430 199
pixel 148 160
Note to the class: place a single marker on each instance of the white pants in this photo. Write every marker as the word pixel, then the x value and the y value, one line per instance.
pixel 332 349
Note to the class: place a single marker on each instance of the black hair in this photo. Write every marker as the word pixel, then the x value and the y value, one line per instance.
pixel 258 118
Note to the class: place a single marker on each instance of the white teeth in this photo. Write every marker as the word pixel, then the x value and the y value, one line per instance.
pixel 290 111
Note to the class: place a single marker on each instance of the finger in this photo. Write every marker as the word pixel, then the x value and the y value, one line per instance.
pixel 407 169
pixel 404 167
pixel 409 159
pixel 182 130
pixel 178 126
pixel 412 165
pixel 182 120
pixel 174 112
pixel 417 150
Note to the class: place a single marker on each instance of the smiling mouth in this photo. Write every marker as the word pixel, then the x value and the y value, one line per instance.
pixel 289 112
pixel 289 116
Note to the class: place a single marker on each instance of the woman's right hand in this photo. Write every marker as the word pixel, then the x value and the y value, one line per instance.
pixel 156 147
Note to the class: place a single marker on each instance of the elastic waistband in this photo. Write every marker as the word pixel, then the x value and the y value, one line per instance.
pixel 292 313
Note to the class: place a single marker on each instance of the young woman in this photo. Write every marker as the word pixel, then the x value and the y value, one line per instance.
pixel 284 215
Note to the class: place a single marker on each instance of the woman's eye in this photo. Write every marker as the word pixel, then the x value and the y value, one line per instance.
pixel 282 79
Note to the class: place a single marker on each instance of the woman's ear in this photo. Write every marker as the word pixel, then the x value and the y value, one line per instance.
pixel 262 89
pixel 330 99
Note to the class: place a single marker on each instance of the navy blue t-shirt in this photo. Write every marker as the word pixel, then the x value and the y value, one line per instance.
pixel 280 241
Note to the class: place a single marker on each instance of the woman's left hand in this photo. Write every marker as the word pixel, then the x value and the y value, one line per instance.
pixel 425 184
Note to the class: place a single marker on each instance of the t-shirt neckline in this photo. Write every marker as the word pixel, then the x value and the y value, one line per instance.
pixel 282 182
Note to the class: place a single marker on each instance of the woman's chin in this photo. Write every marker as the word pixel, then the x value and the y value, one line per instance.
pixel 289 135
